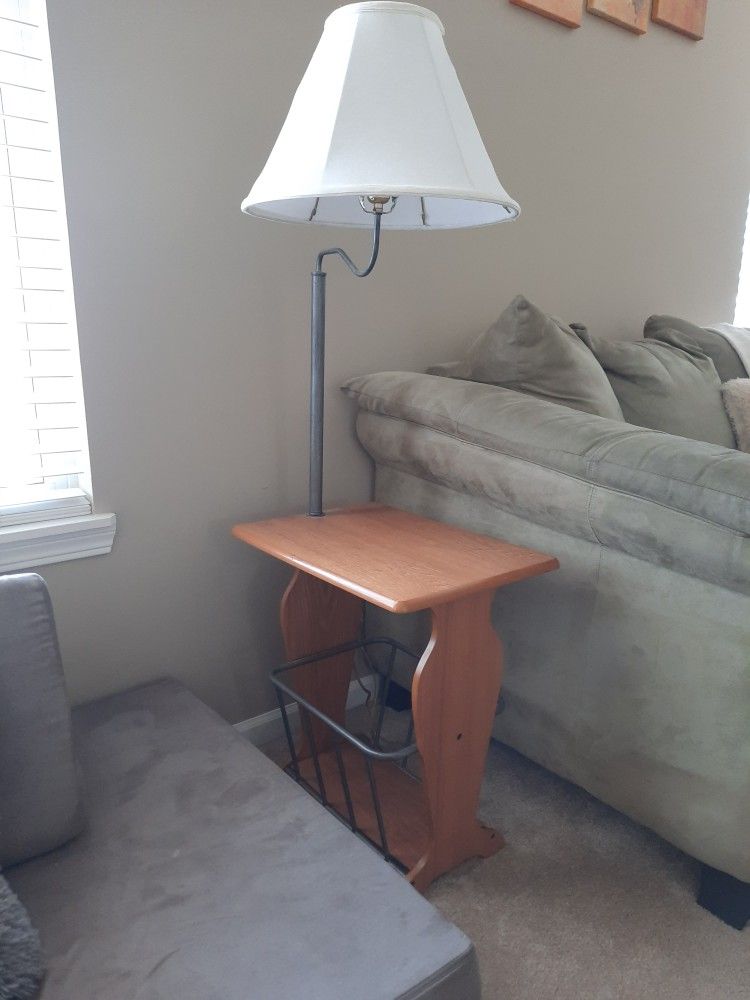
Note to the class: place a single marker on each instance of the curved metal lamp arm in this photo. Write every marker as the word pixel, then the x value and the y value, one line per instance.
pixel 317 360
pixel 356 271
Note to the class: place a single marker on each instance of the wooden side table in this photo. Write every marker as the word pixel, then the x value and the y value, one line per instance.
pixel 402 562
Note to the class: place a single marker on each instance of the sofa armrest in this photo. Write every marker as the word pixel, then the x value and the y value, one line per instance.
pixel 40 807
pixel 628 487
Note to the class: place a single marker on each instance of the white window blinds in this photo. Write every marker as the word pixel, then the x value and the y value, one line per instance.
pixel 44 470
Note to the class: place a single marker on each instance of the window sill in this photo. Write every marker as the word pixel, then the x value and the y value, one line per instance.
pixel 25 546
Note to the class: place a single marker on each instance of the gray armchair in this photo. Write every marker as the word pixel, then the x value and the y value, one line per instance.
pixel 201 869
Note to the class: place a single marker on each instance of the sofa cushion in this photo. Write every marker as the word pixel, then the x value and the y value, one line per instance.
pixel 529 351
pixel 40 805
pixel 205 872
pixel 668 385
pixel 725 358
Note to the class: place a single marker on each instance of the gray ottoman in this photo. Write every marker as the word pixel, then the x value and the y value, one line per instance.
pixel 205 873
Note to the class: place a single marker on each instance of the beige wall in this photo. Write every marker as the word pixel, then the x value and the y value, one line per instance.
pixel 629 157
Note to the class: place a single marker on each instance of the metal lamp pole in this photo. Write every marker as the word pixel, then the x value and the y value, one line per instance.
pixel 317 356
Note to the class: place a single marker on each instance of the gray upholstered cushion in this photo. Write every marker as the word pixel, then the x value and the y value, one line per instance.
pixel 39 799
pixel 205 873
pixel 668 385
pixel 721 352
pixel 533 353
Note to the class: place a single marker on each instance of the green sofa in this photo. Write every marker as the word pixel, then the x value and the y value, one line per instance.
pixel 628 671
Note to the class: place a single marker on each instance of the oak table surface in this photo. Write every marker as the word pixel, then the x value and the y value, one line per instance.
pixel 397 560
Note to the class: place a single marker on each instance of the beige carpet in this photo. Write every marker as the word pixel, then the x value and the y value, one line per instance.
pixel 582 904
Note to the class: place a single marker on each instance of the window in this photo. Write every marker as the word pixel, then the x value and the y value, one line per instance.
pixel 45 488
pixel 742 311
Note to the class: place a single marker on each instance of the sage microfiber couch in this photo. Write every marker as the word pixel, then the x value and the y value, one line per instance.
pixel 628 670
pixel 189 866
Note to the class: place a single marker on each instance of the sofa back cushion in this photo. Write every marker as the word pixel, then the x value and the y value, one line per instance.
pixel 668 385
pixel 39 802
pixel 533 353
pixel 714 345
pixel 668 500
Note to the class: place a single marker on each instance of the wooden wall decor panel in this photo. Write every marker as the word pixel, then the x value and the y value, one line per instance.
pixel 686 16
pixel 567 12
pixel 630 14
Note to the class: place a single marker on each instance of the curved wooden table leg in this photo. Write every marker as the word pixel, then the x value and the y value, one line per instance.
pixel 454 697
pixel 316 616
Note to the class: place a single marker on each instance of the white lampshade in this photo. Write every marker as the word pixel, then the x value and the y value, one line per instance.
pixel 380 112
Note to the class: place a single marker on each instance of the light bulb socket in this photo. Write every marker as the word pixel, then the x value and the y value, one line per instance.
pixel 378 204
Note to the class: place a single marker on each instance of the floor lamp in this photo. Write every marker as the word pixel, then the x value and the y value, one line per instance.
pixel 379 135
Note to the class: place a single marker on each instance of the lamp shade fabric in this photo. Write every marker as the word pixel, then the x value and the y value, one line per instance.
pixel 380 113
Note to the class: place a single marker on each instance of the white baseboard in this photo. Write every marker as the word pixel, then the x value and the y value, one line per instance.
pixel 268 727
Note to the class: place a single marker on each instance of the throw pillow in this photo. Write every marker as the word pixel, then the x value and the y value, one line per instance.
pixel 736 395
pixel 21 968
pixel 533 353
pixel 668 385
pixel 738 339
pixel 716 347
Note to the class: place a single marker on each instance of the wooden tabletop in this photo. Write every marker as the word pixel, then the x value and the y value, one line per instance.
pixel 394 559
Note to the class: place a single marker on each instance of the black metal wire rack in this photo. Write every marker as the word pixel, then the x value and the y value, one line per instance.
pixel 326 772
